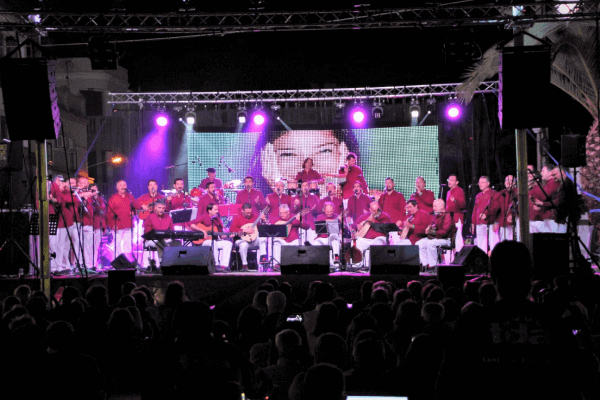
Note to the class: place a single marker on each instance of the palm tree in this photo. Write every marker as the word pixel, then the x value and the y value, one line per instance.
pixel 574 70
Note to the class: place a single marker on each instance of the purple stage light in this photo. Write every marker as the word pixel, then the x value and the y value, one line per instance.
pixel 162 121
pixel 259 119
pixel 358 116
pixel 453 111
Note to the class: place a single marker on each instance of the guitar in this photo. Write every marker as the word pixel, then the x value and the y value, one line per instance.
pixel 208 233
pixel 150 203
pixel 406 227
pixel 288 222
pixel 251 237
pixel 366 225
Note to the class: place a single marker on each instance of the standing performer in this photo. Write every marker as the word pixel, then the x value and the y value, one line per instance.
pixel 358 204
pixel 484 216
pixel 211 221
pixel 507 200
pixel 371 237
pixel 87 220
pixel 293 238
pixel 58 242
pixel 308 174
pixel 302 202
pixel 99 223
pixel 120 211
pixel 178 200
pixel 438 234
pixel 456 203
pixel 542 200
pixel 212 177
pixel 148 199
pixel 276 199
pixel 423 197
pixel 415 224
pixel 247 217
pixel 159 220
pixel 250 195
pixel 338 205
pixel 393 204
pixel 567 209
pixel 352 173
pixel 332 240
pixel 70 207
pixel 211 196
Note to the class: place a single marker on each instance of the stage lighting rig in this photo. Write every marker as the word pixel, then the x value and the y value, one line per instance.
pixel 339 110
pixel 377 109
pixel 190 115
pixel 415 108
pixel 276 111
pixel 241 114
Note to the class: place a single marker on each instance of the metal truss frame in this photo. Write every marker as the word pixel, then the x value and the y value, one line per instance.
pixel 302 95
pixel 357 18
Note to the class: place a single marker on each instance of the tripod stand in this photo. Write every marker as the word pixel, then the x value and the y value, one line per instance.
pixel 272 232
pixel 10 240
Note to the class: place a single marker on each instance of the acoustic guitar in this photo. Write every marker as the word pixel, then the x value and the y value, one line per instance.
pixel 150 203
pixel 208 233
pixel 406 227
pixel 251 237
pixel 288 222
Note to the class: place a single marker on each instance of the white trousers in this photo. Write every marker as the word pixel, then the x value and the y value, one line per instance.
pixel 62 247
pixel 459 242
pixel 307 235
pixel 123 241
pixel 52 244
pixel 428 250
pixel 364 244
pixel 537 227
pixel 277 243
pixel 225 246
pixel 243 248
pixel 333 241
pixel 506 233
pixel 485 236
pixel 88 246
pixel 97 246
pixel 74 232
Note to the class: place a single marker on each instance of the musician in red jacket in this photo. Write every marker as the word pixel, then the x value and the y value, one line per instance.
pixel 333 239
pixel 59 243
pixel 439 232
pixel 120 211
pixel 251 195
pixel 212 222
pixel 276 199
pixel 484 215
pixel 359 203
pixel 352 173
pixel 372 237
pixel 331 197
pixel 99 222
pixel 456 203
pixel 211 196
pixel 159 220
pixel 415 224
pixel 543 202
pixel 507 200
pixel 178 200
pixel 293 238
pixel 393 204
pixel 248 217
pixel 423 197
pixel 306 201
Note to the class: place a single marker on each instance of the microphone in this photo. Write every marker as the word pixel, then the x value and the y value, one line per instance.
pixel 214 217
pixel 221 159
pixel 127 190
pixel 355 191
pixel 170 167
pixel 231 171
pixel 76 193
pixel 330 192
pixel 153 190
pixel 443 184
pixel 199 162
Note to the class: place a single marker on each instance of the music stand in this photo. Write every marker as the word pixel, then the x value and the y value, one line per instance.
pixel 272 231
pixel 327 227
pixel 385 229
pixel 182 216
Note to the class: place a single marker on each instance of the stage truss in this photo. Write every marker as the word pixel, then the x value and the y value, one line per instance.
pixel 186 21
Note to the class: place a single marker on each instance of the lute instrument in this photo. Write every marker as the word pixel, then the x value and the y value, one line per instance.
pixel 251 236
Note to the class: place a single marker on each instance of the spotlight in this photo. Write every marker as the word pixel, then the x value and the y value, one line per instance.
pixel 241 115
pixel 453 110
pixel 190 118
pixel 162 120
pixel 258 119
pixel 358 116
pixel 117 160
pixel 276 111
pixel 415 108
pixel 377 110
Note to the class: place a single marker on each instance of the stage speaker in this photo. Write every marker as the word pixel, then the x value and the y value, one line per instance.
pixel 30 98
pixel 188 260
pixel 122 262
pixel 473 260
pixel 116 279
pixel 550 254
pixel 525 100
pixel 395 260
pixel 312 260
pixel 572 151
pixel 103 53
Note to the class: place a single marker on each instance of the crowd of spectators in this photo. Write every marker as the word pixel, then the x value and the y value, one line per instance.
pixel 497 338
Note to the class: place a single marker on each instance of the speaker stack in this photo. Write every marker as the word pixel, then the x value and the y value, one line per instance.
pixel 395 260
pixel 309 260
pixel 188 260
pixel 469 260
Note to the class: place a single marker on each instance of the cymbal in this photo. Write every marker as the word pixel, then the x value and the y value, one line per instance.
pixel 234 183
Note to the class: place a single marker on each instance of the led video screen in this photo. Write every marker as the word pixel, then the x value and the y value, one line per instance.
pixel 402 153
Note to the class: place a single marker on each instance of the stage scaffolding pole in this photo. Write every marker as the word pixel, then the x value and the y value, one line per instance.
pixel 44 238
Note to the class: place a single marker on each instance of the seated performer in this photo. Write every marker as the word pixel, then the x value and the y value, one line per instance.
pixel 210 197
pixel 178 200
pixel 413 227
pixel 423 197
pixel 276 199
pixel 247 217
pixel 212 177
pixel 332 240
pixel 306 201
pixel 371 237
pixel 438 232
pixel 161 221
pixel 293 238
pixel 210 221
pixel 331 197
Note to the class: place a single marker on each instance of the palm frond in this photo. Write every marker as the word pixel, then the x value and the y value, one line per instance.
pixel 482 70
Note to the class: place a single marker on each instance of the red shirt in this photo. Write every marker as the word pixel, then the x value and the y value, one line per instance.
pixel 372 233
pixel 89 216
pixel 206 200
pixel 485 204
pixel 218 183
pixel 323 217
pixel 421 220
pixel 244 196
pixel 506 200
pixel 311 175
pixel 311 202
pixel 393 204
pixel 425 200
pixel 55 192
pixel 240 220
pixel 120 206
pixel 548 210
pixel 338 205
pixel 355 174
pixel 153 221
pixel 274 202
pixel 147 199
pixel 293 228
pixel 68 203
pixel 358 205
pixel 458 205
pixel 443 226
pixel 214 224
pixel 100 214
pixel 178 202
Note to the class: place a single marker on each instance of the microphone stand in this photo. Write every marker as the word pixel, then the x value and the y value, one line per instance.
pixel 75 215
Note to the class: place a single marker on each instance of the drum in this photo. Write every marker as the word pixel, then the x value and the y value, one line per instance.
pixel 196 192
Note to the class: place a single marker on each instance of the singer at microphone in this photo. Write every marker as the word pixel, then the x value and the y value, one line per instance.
pixel 147 199
pixel 359 203
pixel 211 177
pixel 211 197
pixel 275 199
pixel 252 196
pixel 331 197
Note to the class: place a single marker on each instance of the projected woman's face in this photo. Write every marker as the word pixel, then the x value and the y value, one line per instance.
pixel 284 157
